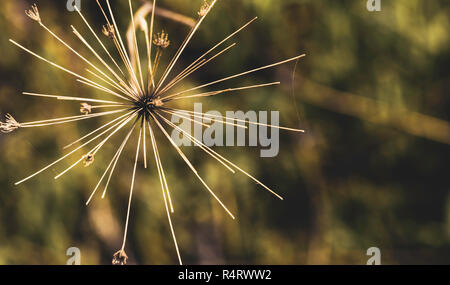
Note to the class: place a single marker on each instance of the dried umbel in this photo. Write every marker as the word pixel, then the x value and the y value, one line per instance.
pixel 204 9
pixel 161 40
pixel 33 13
pixel 88 159
pixel 120 258
pixel 108 30
pixel 9 125
pixel 138 101
pixel 85 108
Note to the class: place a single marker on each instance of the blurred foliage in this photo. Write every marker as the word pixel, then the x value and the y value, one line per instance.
pixel 372 169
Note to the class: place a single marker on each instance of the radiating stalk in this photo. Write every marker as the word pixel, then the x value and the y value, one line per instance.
pixel 152 136
pixel 191 166
pixel 235 76
pixel 131 192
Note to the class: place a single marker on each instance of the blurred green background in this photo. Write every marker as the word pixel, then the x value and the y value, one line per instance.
pixel 371 170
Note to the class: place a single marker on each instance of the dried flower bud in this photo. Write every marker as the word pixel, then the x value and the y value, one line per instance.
pixel 85 108
pixel 120 258
pixel 9 125
pixel 88 159
pixel 33 13
pixel 161 40
pixel 204 9
pixel 157 102
pixel 108 30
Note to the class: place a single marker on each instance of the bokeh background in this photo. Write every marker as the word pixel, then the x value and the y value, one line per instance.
pixel 371 170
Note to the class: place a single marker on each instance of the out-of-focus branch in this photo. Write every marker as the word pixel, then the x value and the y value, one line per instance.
pixel 143 12
pixel 147 8
pixel 374 111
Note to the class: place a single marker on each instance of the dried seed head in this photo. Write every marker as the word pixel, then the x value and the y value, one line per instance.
pixel 161 40
pixel 9 125
pixel 108 30
pixel 120 258
pixel 88 159
pixel 33 13
pixel 204 9
pixel 85 108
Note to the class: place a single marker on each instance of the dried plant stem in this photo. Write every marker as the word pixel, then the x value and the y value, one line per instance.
pixel 217 45
pixel 133 73
pixel 183 46
pixel 59 67
pixel 177 114
pixel 227 161
pixel 67 98
pixel 144 145
pixel 97 130
pixel 98 39
pixel 110 81
pixel 118 87
pixel 119 150
pixel 235 76
pixel 85 42
pixel 149 47
pixel 163 178
pixel 178 80
pixel 213 93
pixel 157 159
pixel 138 57
pixel 126 120
pixel 131 191
pixel 200 144
pixel 101 88
pixel 224 118
pixel 93 151
pixel 65 120
pixel 191 166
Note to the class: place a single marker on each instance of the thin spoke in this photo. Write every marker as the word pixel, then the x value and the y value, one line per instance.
pixel 101 88
pixel 191 166
pixel 138 58
pixel 92 151
pixel 219 44
pixel 214 93
pixel 149 44
pixel 190 119
pixel 131 191
pixel 230 163
pixel 169 86
pixel 65 120
pixel 97 130
pixel 98 39
pixel 133 73
pixel 184 72
pixel 83 40
pixel 166 110
pixel 75 52
pixel 170 67
pixel 200 144
pixel 235 76
pixel 199 114
pixel 164 196
pixel 124 142
pixel 144 144
pixel 117 86
pixel 53 64
pixel 114 167
pixel 124 121
pixel 163 176
pixel 67 98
